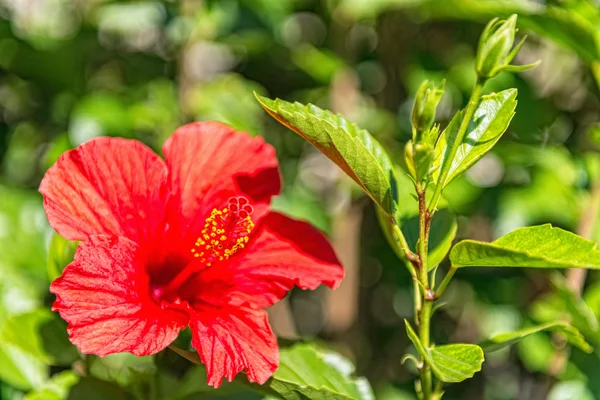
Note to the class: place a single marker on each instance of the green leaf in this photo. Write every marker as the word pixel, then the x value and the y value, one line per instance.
pixel 450 363
pixel 307 371
pixel 540 246
pixel 56 388
pixel 60 254
pixel 506 339
pixel 123 369
pixel 22 357
pixel 353 149
pixel 561 303
pixel 55 341
pixel 89 388
pixel 569 28
pixel 581 314
pixel 490 121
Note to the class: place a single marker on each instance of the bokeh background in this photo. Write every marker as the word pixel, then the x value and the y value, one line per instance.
pixel 71 70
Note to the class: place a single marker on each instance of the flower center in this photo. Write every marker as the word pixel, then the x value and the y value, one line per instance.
pixel 225 232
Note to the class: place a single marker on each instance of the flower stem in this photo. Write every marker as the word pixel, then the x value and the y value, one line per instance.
pixel 462 130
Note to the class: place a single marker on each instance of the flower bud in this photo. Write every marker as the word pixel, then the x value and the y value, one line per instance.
pixel 423 116
pixel 494 52
pixel 419 160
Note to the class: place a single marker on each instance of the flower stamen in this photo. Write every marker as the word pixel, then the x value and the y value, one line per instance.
pixel 225 232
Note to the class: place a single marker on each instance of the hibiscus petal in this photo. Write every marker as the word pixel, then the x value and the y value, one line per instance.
pixel 107 186
pixel 208 163
pixel 104 295
pixel 231 340
pixel 283 253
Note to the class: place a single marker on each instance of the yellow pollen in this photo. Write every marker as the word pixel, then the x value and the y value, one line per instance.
pixel 225 232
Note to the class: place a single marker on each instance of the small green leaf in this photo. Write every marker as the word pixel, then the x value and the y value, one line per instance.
pixel 520 68
pixel 456 362
pixel 450 363
pixel 353 149
pixel 60 254
pixel 490 121
pixel 540 246
pixel 506 339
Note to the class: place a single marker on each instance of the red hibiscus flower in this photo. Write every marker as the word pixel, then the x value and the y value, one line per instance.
pixel 188 241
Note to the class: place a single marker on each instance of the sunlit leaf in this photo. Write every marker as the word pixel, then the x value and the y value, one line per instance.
pixel 450 363
pixel 540 246
pixel 490 121
pixel 506 339
pixel 307 371
pixel 353 149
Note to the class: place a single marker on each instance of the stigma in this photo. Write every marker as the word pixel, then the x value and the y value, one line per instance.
pixel 226 231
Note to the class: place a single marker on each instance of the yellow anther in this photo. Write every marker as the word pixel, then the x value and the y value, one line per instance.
pixel 224 234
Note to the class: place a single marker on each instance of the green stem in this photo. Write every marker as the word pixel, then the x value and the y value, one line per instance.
pixel 469 111
pixel 410 256
pixel 427 301
pixel 411 263
pixel 445 282
pixel 424 336
pixel 416 290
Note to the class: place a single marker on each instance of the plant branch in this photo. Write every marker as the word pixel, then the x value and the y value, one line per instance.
pixel 424 314
pixel 464 125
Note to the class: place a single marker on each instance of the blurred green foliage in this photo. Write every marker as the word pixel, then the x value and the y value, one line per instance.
pixel 73 70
